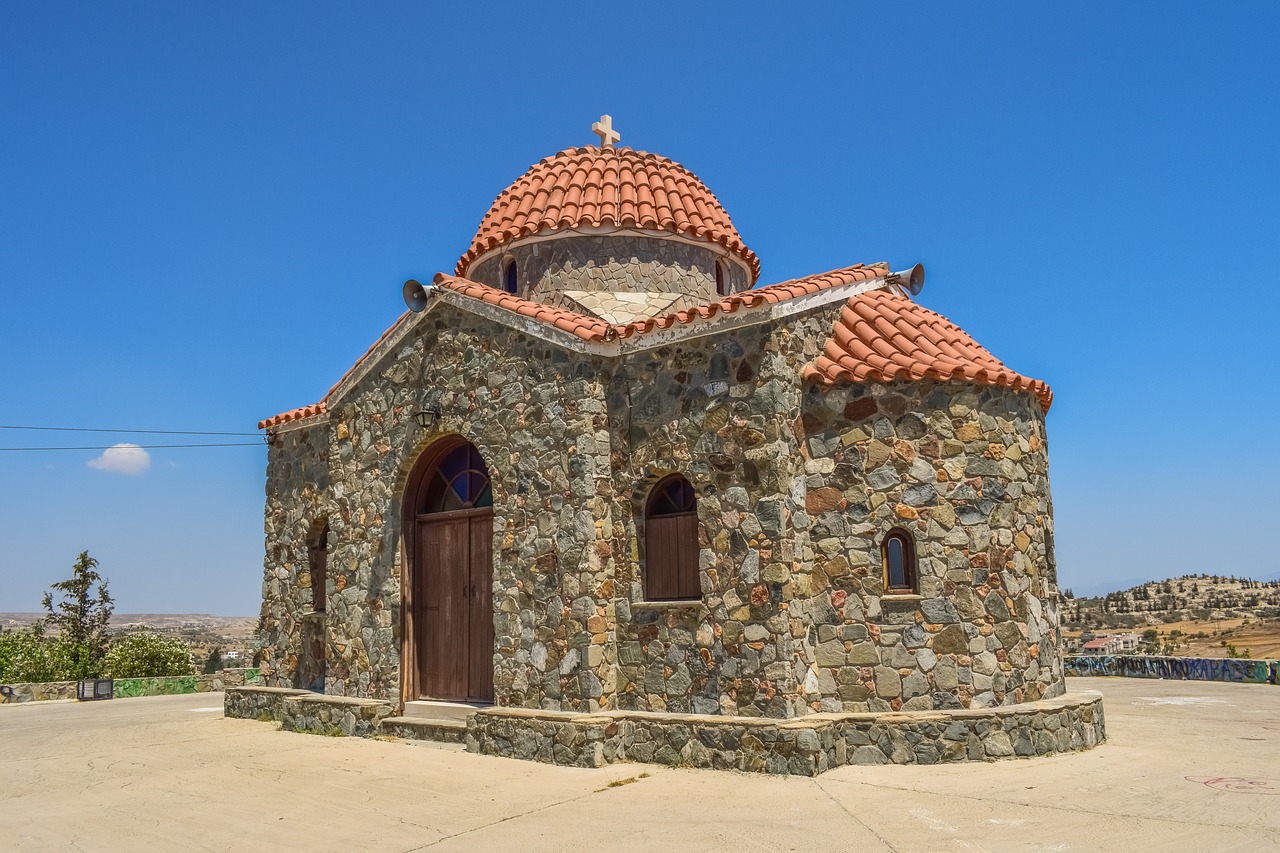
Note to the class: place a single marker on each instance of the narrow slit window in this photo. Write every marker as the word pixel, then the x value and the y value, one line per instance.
pixel 898 554
pixel 319 559
pixel 722 278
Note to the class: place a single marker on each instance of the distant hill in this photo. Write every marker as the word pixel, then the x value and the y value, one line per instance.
pixel 201 623
pixel 1187 597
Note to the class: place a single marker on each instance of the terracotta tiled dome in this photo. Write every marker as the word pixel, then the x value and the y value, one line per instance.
pixel 618 187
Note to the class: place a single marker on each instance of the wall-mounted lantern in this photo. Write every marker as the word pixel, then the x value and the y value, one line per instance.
pixel 426 417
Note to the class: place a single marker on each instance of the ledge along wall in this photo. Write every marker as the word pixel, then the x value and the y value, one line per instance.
pixel 1190 669
pixel 128 688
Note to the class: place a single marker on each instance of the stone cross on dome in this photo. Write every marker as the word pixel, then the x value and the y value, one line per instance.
pixel 604 129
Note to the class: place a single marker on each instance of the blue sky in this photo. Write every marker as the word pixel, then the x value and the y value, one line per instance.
pixel 206 214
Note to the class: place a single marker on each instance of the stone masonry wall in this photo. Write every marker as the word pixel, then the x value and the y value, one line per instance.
pixel 796 487
pixel 721 411
pixel 296 506
pixel 537 418
pixel 804 747
pixel 304 711
pixel 965 471
pixel 129 688
pixel 619 263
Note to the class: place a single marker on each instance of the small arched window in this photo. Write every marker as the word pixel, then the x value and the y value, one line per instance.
pixel 671 542
pixel 722 278
pixel 509 276
pixel 898 555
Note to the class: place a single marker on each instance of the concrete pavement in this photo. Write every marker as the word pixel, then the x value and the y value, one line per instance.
pixel 1188 766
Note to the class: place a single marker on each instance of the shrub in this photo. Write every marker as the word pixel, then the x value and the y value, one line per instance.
pixel 26 656
pixel 148 655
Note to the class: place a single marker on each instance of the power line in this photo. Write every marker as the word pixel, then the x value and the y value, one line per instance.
pixel 133 431
pixel 143 446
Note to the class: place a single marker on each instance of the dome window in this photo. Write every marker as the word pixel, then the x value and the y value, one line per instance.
pixel 722 278
pixel 509 276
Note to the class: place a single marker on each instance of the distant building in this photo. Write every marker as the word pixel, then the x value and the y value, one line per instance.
pixel 1127 642
pixel 1096 647
pixel 1113 644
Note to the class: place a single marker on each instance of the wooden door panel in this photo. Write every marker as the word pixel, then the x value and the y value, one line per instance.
pixel 480 644
pixel 662 558
pixel 442 615
pixel 689 586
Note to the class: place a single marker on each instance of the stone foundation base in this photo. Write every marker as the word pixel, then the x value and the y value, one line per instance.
pixel 805 746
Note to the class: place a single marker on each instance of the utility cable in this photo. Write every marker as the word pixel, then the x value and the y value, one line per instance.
pixel 142 446
pixel 134 431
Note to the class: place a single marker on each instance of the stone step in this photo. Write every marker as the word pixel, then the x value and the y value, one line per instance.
pixel 432 710
pixel 425 728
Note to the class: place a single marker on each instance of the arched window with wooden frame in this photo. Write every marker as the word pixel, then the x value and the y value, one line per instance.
pixel 898 556
pixel 671 542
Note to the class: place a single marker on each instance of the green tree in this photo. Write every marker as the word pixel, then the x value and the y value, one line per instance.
pixel 214 662
pixel 81 618
pixel 148 655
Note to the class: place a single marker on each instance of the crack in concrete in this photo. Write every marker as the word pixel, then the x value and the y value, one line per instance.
pixel 818 784
pixel 525 813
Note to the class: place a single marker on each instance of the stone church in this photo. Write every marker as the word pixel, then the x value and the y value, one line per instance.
pixel 598 467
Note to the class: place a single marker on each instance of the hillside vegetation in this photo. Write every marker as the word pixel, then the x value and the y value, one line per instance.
pixel 1190 616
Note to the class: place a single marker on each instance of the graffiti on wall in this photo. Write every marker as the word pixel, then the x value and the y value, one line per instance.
pixel 1187 669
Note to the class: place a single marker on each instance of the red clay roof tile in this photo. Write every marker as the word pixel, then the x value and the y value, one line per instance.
pixel 597 330
pixel 881 337
pixel 294 415
pixel 618 187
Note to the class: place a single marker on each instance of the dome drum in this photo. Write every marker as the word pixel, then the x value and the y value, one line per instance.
pixel 617 262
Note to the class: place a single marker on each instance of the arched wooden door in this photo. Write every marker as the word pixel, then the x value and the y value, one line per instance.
pixel 449 583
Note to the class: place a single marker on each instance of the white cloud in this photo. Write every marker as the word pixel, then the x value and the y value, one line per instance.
pixel 122 459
